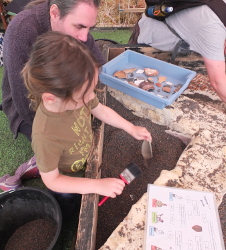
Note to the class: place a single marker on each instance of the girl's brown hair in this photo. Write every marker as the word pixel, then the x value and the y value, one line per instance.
pixel 59 64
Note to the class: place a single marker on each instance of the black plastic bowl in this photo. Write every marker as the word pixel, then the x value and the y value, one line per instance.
pixel 23 205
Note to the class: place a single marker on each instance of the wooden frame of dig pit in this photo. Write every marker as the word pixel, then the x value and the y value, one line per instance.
pixel 86 233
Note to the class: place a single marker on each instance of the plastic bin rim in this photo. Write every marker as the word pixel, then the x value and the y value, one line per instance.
pixel 128 51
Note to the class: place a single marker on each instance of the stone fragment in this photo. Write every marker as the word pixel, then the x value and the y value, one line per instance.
pixel 166 89
pixel 151 72
pixel 179 85
pixel 148 87
pixel 142 84
pixel 150 79
pixel 138 80
pixel 132 83
pixel 177 89
pixel 140 71
pixel 129 71
pixel 161 79
pixel 120 74
pixel 169 83
pixel 145 85
pixel 158 84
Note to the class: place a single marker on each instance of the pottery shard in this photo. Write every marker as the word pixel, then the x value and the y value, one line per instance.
pixel 151 72
pixel 161 79
pixel 177 89
pixel 179 85
pixel 150 79
pixel 129 71
pixel 120 74
pixel 146 85
pixel 197 228
pixel 158 84
pixel 166 89
pixel 142 84
pixel 132 83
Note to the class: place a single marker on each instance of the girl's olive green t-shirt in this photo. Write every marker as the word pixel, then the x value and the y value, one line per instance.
pixel 62 140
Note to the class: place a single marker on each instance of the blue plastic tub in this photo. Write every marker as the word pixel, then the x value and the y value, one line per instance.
pixel 129 59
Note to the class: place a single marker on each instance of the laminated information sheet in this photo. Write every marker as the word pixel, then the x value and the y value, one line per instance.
pixel 181 219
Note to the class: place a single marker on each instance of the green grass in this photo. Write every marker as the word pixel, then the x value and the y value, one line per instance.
pixel 121 36
pixel 12 152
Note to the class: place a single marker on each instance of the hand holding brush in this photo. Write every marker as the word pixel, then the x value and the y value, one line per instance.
pixel 128 175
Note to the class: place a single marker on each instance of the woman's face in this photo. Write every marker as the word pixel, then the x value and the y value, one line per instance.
pixel 77 23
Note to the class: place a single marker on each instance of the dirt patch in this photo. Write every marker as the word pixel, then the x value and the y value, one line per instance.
pixel 37 235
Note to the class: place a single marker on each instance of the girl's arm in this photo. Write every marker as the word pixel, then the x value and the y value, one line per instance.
pixel 66 184
pixel 112 118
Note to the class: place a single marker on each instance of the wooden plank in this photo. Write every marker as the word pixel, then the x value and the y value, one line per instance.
pixel 133 10
pixel 86 233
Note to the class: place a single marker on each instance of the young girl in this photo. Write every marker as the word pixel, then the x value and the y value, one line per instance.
pixel 61 76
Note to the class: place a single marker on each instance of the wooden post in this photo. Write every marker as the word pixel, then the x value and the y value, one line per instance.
pixel 86 233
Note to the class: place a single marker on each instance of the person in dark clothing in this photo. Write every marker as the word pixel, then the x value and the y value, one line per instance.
pixel 72 17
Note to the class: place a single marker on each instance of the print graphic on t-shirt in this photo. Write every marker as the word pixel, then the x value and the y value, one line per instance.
pixel 82 128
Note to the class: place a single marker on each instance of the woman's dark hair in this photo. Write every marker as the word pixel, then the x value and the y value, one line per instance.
pixel 59 64
pixel 65 6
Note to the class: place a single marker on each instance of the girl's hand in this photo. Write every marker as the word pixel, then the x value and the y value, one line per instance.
pixel 110 187
pixel 140 133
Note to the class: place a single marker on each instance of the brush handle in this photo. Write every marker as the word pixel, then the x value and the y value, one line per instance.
pixel 103 200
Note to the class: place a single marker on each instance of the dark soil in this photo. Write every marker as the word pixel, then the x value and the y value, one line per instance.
pixel 119 150
pixel 35 235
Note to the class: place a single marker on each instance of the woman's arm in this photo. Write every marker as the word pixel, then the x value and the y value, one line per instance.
pixel 217 76
pixel 17 46
pixel 112 118
pixel 66 184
